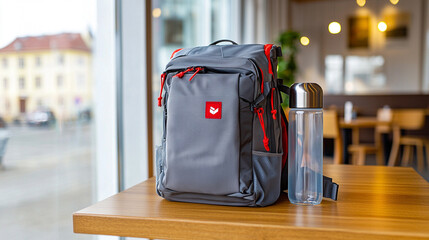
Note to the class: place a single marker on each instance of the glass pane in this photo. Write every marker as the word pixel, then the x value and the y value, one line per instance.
pixel 184 23
pixel 365 74
pixel 46 127
pixel 334 73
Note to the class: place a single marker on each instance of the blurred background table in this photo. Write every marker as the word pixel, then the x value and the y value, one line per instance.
pixel 375 202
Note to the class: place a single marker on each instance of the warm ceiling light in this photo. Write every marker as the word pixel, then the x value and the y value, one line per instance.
pixel 334 27
pixel 382 26
pixel 394 2
pixel 156 12
pixel 304 40
pixel 361 3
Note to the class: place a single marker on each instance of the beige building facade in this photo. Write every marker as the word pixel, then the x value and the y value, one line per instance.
pixel 45 73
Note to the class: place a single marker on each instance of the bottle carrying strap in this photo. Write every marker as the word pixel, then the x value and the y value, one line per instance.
pixel 330 188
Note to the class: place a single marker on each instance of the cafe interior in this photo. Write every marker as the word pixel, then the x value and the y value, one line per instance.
pixel 372 60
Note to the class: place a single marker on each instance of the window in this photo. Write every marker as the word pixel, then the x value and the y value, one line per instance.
pixel 39 102
pixel 60 59
pixel 80 61
pixel 5 83
pixel 60 101
pixel 21 83
pixel 21 62
pixel 4 62
pixel 334 73
pixel 7 105
pixel 80 81
pixel 364 74
pixel 38 82
pixel 60 81
pixel 38 61
pixel 48 170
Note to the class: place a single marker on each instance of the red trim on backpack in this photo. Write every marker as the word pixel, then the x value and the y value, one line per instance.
pixel 284 141
pixel 273 111
pixel 175 51
pixel 267 49
pixel 262 81
pixel 160 91
pixel 260 112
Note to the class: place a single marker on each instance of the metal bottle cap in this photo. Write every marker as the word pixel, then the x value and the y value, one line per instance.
pixel 306 95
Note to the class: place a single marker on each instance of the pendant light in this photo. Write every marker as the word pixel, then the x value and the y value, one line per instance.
pixel 382 26
pixel 304 40
pixel 334 27
pixel 362 3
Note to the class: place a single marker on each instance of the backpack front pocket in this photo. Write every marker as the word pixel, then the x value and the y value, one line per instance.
pixel 203 138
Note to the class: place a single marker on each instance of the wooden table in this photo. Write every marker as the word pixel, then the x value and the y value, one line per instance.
pixel 375 202
pixel 362 122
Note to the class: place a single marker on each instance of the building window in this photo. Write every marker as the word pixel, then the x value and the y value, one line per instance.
pixel 7 105
pixel 39 102
pixel 21 83
pixel 5 83
pixel 80 61
pixel 80 81
pixel 38 82
pixel 60 101
pixel 38 61
pixel 4 62
pixel 60 81
pixel 21 62
pixel 60 59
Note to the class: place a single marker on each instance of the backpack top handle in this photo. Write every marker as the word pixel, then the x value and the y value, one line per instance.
pixel 223 40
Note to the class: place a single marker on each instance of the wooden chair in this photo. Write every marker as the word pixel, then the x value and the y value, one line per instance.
pixel 360 151
pixel 408 119
pixel 331 129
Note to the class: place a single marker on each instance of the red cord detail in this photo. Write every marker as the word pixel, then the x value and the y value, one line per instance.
pixel 260 112
pixel 197 70
pixel 175 51
pixel 181 74
pixel 273 111
pixel 262 81
pixel 267 49
pixel 160 92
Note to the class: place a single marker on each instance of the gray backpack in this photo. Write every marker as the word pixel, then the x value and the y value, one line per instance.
pixel 224 140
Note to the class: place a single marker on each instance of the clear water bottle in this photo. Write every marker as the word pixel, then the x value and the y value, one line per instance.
pixel 305 169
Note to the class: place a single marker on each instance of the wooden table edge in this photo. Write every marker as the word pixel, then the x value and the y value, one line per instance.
pixel 164 228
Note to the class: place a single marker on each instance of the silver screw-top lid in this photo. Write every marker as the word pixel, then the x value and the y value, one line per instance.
pixel 306 95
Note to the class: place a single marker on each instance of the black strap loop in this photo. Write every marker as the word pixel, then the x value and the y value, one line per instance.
pixel 330 189
pixel 223 40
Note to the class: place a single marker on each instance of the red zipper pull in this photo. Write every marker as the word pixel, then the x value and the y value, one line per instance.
pixel 181 74
pixel 273 111
pixel 260 112
pixel 162 87
pixel 198 69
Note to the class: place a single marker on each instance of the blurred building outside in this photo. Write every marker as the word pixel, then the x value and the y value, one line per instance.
pixel 47 72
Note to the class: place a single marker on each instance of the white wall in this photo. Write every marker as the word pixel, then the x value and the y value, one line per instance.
pixel 402 59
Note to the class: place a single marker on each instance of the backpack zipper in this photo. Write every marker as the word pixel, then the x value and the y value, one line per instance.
pixel 273 110
pixel 260 112
pixel 196 69
pixel 162 87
